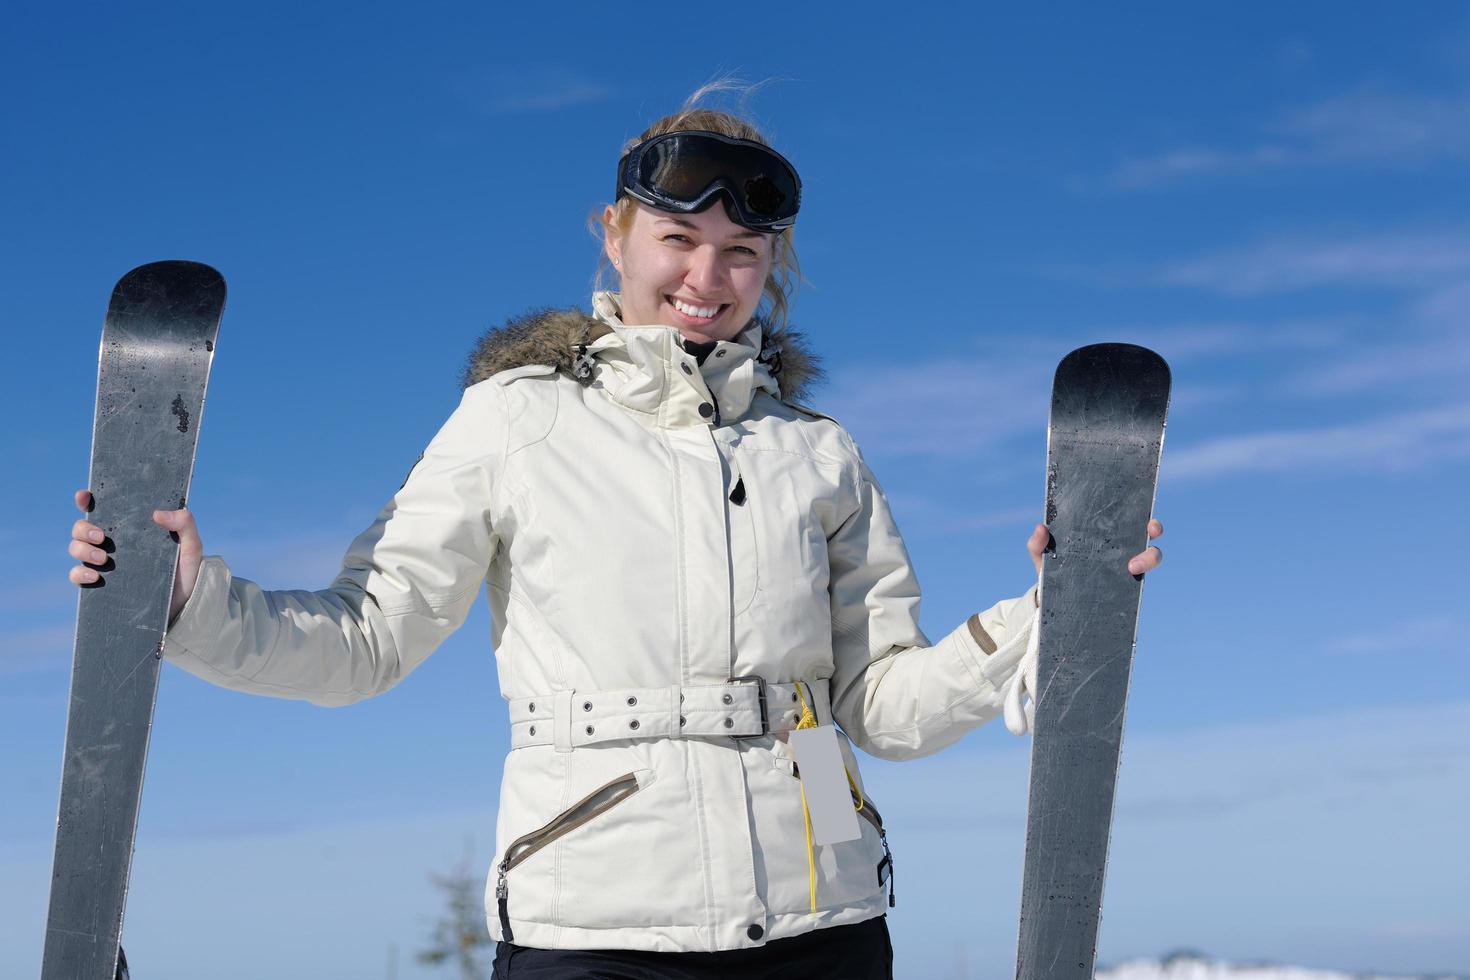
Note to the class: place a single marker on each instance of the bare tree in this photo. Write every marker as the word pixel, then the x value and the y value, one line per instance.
pixel 460 934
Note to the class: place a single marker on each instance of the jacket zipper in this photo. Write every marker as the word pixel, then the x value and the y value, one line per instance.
pixel 871 814
pixel 599 801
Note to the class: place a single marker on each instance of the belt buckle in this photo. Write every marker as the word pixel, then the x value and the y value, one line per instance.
pixel 760 683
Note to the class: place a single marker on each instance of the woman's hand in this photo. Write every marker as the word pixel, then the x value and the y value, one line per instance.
pixel 1144 561
pixel 90 546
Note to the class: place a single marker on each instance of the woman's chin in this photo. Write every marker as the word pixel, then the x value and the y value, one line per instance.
pixel 701 330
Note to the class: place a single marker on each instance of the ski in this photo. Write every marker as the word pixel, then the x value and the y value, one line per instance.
pixel 1108 409
pixel 153 367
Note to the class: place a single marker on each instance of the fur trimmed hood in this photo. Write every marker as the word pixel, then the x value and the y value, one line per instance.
pixel 551 337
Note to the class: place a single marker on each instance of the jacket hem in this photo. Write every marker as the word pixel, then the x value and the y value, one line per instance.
pixel 678 938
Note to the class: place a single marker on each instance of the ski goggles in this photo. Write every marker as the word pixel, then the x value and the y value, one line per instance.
pixel 682 172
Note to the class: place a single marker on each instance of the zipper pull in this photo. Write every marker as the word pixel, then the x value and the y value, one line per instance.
pixel 888 860
pixel 501 891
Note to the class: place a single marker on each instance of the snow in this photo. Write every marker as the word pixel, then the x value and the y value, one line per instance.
pixel 1194 966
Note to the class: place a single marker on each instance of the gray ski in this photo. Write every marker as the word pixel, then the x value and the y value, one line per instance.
pixel 1109 404
pixel 157 345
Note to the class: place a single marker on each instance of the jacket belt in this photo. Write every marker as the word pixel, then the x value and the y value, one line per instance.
pixel 745 707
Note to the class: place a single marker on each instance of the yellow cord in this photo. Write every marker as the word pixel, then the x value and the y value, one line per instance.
pixel 808 720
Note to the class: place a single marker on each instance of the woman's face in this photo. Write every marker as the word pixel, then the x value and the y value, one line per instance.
pixel 700 273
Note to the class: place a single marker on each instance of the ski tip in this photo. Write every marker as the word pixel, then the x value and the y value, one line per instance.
pixel 175 288
pixel 1116 359
pixel 178 273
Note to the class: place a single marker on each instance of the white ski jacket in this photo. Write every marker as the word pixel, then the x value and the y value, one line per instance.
pixel 664 542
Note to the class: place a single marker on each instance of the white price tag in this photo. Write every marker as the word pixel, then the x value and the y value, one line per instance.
pixel 824 778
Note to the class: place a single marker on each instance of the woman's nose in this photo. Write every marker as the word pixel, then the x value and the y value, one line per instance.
pixel 704 272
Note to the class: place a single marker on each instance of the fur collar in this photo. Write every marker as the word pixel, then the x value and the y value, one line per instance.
pixel 550 337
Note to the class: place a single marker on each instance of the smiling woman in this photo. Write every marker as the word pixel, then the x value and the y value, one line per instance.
pixel 765 246
pixel 701 602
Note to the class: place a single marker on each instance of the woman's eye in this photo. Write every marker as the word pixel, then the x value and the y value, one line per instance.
pixel 746 250
pixel 676 238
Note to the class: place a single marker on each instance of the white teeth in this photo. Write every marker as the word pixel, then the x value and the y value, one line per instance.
pixel 704 312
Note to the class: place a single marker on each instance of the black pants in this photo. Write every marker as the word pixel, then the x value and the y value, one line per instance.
pixel 860 951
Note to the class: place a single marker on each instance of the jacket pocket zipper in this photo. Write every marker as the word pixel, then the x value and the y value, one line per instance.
pixel 597 802
pixel 870 813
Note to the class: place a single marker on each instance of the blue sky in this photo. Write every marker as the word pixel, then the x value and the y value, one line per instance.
pixel 1274 198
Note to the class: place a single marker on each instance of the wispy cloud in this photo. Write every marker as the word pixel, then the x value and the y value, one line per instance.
pixel 1386 443
pixel 546 89
pixel 1367 127
pixel 965 404
pixel 36 648
pixel 1443 632
pixel 1405 359
pixel 1406 260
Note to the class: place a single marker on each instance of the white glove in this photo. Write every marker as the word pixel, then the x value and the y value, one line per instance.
pixel 1020 690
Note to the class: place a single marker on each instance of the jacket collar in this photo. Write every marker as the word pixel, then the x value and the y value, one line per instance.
pixel 644 367
pixel 652 371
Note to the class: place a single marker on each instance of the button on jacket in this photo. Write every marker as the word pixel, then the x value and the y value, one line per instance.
pixel 649 528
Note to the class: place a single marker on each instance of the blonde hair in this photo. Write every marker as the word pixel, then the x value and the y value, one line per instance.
pixel 780 286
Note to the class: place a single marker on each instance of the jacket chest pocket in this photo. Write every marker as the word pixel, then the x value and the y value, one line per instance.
pixel 777 542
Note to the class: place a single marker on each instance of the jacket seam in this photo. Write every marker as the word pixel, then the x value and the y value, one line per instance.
pixel 821 460
pixel 916 728
pixel 506 452
pixel 437 602
pixel 314 694
pixel 981 683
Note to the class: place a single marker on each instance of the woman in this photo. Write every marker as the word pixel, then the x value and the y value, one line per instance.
pixel 684 565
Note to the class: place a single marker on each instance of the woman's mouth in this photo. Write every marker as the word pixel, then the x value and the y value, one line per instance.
pixel 696 314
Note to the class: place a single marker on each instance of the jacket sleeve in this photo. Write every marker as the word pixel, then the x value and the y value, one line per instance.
pixel 406 583
pixel 894 694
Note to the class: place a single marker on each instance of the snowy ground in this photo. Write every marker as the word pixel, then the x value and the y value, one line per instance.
pixel 1192 966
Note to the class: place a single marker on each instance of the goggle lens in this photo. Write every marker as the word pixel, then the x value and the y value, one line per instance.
pixel 685 169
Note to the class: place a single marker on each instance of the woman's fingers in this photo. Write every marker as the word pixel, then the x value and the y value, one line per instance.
pixel 82 551
pixel 84 530
pixel 1036 544
pixel 82 576
pixel 87 531
pixel 83 545
pixel 181 522
pixel 1146 561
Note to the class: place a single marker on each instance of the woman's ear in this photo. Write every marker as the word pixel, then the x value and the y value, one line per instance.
pixel 612 243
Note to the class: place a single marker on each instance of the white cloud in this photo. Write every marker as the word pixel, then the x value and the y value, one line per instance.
pixel 1316 821
pixel 1364 128
pixel 37 648
pixel 1387 443
pixel 1402 359
pixel 1406 260
pixel 546 89
pixel 1431 633
pixel 303 560
pixel 965 404
pixel 1141 172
